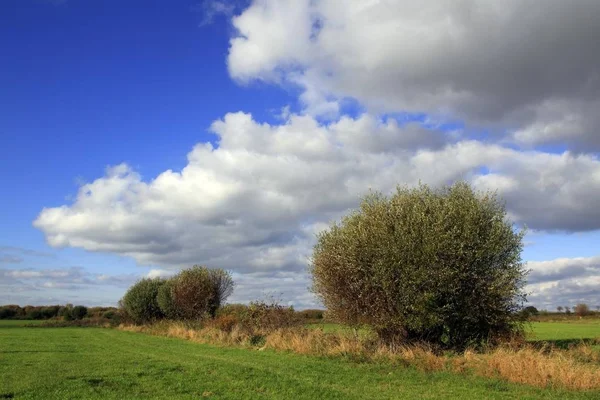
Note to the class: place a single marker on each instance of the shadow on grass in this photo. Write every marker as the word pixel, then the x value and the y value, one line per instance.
pixel 562 343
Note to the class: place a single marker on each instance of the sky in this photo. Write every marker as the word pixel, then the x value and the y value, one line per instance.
pixel 141 137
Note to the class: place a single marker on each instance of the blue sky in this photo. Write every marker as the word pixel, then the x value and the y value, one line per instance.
pixel 88 85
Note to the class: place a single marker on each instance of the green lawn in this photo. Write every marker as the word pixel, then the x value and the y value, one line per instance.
pixel 75 363
pixel 549 331
pixel 588 329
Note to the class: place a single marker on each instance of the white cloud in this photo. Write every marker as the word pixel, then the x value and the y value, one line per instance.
pixel 502 65
pixel 254 203
pixel 159 273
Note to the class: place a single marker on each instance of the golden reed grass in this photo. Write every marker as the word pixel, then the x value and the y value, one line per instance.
pixel 577 368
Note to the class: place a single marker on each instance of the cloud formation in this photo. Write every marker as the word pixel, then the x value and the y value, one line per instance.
pixel 522 78
pixel 255 202
pixel 531 72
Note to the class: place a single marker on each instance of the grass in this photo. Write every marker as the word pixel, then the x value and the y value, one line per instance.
pixel 16 323
pixel 573 330
pixel 71 363
pixel 537 331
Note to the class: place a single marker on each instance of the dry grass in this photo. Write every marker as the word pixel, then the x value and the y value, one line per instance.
pixel 577 368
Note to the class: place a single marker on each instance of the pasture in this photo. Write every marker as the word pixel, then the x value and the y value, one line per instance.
pixel 72 363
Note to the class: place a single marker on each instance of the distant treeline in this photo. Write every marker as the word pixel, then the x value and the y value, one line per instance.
pixel 69 312
pixel 66 312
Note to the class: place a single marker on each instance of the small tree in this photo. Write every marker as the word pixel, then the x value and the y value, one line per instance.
pixel 559 308
pixel 165 300
pixel 223 286
pixel 567 310
pixel 140 302
pixel 199 291
pixel 530 311
pixel 79 312
pixel 441 266
pixel 582 309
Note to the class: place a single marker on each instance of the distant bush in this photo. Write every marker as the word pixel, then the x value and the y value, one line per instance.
pixel 439 266
pixel 199 291
pixel 226 323
pixel 529 311
pixel 11 311
pixel 79 312
pixel 311 314
pixel 237 310
pixel 140 301
pixel 582 310
pixel 269 315
pixel 65 312
pixel 165 300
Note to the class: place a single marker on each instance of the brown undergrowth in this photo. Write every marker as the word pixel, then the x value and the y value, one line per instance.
pixel 577 368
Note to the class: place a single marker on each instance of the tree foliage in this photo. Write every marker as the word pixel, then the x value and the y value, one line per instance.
pixel 199 291
pixel 140 301
pixel 441 266
pixel 79 312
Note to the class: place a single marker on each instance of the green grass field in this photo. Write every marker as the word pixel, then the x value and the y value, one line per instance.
pixel 536 331
pixel 74 363
pixel 554 331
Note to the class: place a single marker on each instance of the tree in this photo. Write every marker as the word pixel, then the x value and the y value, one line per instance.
pixel 164 299
pixel 79 312
pixel 140 301
pixel 582 309
pixel 442 266
pixel 223 285
pixel 530 311
pixel 559 308
pixel 567 310
pixel 199 291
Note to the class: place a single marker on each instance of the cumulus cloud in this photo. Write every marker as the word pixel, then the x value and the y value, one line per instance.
pixel 254 203
pixel 534 71
pixel 565 282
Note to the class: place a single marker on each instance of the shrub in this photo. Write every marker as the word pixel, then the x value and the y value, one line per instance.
pixel 267 316
pixel 311 314
pixel 34 313
pixel 529 311
pixel 79 312
pixel 164 298
pixel 235 309
pixel 440 266
pixel 65 312
pixel 50 311
pixel 140 301
pixel 223 286
pixel 199 291
pixel 10 311
pixel 582 310
pixel 226 323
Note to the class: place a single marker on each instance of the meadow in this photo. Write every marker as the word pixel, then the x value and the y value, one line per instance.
pixel 72 363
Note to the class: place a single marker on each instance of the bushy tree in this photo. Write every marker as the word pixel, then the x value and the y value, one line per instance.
pixel 140 301
pixel 441 266
pixel 199 291
pixel 582 309
pixel 529 311
pixel 223 286
pixel 165 300
pixel 79 312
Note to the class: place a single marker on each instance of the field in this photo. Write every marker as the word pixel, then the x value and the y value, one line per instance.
pixel 567 331
pixel 571 331
pixel 71 363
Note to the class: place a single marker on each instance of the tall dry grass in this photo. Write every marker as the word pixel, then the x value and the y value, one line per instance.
pixel 577 368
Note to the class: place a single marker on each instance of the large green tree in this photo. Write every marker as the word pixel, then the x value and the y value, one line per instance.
pixel 436 265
